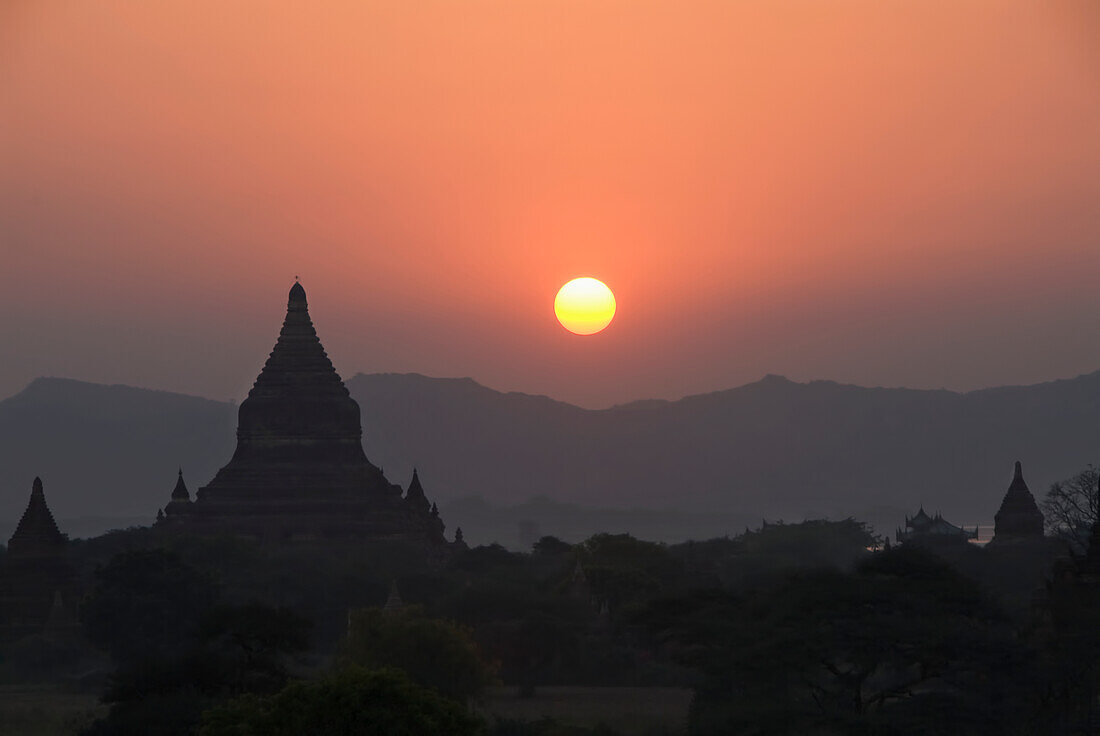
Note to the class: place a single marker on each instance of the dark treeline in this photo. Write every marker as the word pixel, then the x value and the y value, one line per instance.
pixel 792 628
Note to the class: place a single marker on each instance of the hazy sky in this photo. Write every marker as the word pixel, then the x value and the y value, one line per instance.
pixel 880 192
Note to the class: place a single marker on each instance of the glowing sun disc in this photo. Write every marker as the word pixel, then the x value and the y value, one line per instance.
pixel 584 306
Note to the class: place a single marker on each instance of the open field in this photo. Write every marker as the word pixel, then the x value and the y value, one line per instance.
pixel 636 711
pixel 46 711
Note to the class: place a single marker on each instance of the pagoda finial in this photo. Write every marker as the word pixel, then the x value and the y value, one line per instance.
pixel 297 293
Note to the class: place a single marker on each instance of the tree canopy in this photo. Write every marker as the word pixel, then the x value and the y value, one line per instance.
pixel 435 653
pixel 353 701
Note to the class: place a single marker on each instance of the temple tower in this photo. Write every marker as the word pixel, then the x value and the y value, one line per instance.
pixel 36 576
pixel 1019 518
pixel 36 536
pixel 415 497
pixel 181 500
pixel 299 471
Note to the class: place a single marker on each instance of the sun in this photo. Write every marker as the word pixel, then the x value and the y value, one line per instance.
pixel 585 306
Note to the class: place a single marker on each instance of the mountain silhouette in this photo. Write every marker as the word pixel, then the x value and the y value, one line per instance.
pixel 773 448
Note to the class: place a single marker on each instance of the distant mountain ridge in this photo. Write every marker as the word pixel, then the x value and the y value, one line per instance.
pixel 773 448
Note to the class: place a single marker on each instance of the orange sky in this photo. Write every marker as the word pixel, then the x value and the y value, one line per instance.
pixel 881 192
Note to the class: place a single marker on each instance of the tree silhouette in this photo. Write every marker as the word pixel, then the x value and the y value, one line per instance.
pixel 1071 508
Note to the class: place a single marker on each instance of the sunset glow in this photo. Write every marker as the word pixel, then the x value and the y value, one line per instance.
pixel 830 184
pixel 585 306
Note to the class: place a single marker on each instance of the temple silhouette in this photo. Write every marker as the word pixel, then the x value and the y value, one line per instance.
pixel 299 472
pixel 37 583
pixel 1018 519
pixel 935 529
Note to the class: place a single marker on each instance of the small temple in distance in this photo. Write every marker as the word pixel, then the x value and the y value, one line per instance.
pixel 925 528
pixel 36 579
pixel 299 472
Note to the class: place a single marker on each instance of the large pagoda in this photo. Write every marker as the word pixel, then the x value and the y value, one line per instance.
pixel 299 471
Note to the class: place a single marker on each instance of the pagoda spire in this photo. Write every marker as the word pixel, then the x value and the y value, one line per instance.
pixel 180 492
pixel 1019 516
pixel 415 496
pixel 37 532
pixel 299 470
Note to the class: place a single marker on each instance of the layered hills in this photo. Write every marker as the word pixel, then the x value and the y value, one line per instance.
pixel 773 448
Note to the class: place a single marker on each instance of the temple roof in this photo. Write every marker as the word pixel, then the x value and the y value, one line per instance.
pixel 415 495
pixel 37 531
pixel 923 526
pixel 1018 497
pixel 1019 515
pixel 298 431
pixel 180 493
pixel 298 362
pixel 299 471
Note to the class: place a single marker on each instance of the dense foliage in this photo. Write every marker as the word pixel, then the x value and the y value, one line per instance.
pixel 177 648
pixel 433 652
pixel 789 628
pixel 351 702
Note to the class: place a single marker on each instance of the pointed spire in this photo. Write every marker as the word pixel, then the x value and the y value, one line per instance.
pixel 1019 516
pixel 180 492
pixel 415 496
pixel 1018 487
pixel 435 509
pixel 37 532
pixel 460 540
pixel 298 362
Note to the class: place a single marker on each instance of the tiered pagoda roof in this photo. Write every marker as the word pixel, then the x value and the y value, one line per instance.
pixel 37 533
pixel 415 495
pixel 1019 517
pixel 35 577
pixel 299 470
